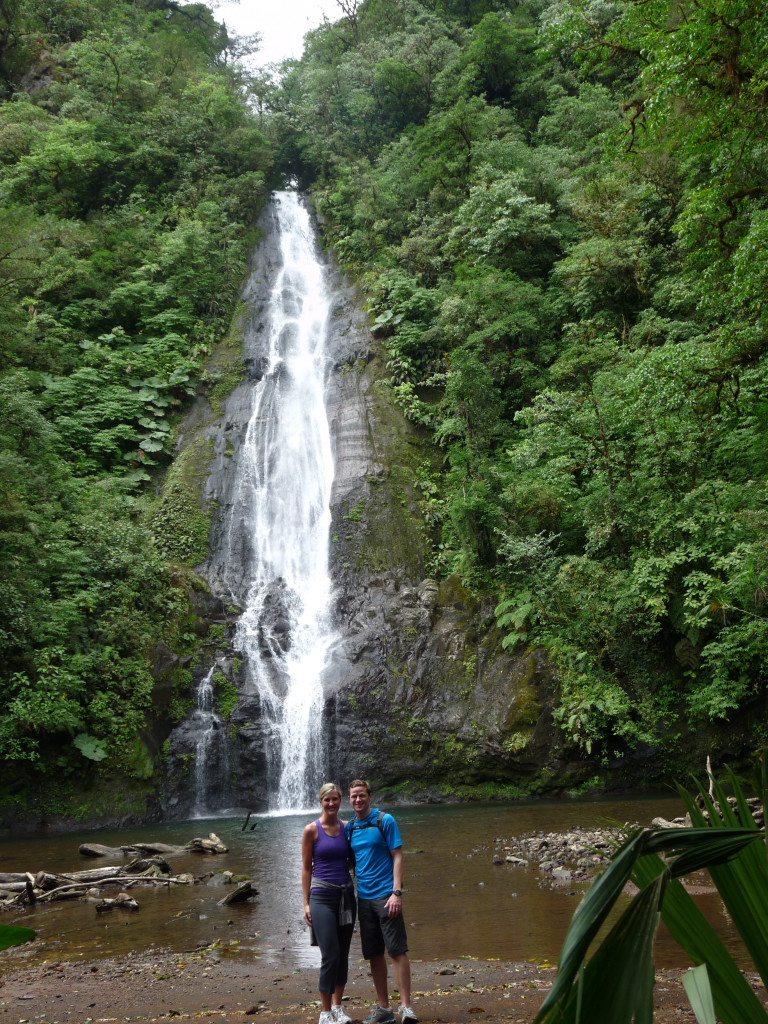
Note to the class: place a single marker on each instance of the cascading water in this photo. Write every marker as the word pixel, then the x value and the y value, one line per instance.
pixel 211 747
pixel 276 536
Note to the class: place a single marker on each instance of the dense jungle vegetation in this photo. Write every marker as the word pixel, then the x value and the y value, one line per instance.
pixel 558 210
pixel 131 171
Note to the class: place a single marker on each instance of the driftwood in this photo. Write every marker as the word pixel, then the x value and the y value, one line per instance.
pixel 210 845
pixel 148 867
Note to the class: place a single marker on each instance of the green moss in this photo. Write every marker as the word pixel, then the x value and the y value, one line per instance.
pixel 516 742
pixel 355 513
pixel 226 369
pixel 178 706
pixel 141 760
pixel 225 695
pixel 94 797
pixel 596 783
pixel 180 525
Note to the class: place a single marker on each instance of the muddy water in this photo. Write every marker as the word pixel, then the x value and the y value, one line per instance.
pixel 457 902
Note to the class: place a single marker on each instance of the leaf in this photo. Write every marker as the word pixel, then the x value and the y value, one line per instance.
pixel 15 935
pixel 91 747
pixel 696 985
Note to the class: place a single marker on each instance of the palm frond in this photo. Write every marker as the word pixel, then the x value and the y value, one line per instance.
pixel 696 985
pixel 616 985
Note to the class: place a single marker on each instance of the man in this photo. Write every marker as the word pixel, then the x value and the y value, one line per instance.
pixel 378 849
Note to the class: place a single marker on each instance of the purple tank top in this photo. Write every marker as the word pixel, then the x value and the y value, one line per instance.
pixel 329 857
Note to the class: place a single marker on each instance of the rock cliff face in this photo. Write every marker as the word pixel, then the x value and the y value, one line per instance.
pixel 420 697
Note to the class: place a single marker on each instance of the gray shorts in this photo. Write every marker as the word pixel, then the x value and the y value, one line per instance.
pixel 378 930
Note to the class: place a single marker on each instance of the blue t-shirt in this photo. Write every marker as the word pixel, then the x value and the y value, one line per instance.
pixel 373 853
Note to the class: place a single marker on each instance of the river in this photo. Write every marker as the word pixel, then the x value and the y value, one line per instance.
pixel 457 903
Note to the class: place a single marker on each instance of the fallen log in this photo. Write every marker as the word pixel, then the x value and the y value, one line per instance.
pixel 210 845
pixel 92 874
pixel 64 892
pixel 152 848
pixel 98 850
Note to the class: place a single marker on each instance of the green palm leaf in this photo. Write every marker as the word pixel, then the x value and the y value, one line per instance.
pixel 696 985
pixel 742 884
pixel 735 1001
pixel 588 919
pixel 616 985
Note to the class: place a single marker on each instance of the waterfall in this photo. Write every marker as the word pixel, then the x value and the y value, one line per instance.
pixel 211 747
pixel 275 540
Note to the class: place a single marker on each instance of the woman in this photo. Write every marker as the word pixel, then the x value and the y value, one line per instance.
pixel 329 900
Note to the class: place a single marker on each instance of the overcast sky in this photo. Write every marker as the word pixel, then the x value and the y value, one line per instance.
pixel 282 23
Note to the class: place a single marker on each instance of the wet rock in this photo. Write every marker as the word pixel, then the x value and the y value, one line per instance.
pixel 97 850
pixel 576 854
pixel 243 892
pixel 274 626
pixel 221 878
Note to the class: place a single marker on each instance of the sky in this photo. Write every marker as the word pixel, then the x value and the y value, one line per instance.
pixel 282 23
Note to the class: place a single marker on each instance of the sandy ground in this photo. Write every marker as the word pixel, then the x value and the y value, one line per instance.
pixel 179 988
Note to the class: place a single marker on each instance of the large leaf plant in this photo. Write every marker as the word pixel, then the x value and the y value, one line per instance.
pixel 14 935
pixel 615 985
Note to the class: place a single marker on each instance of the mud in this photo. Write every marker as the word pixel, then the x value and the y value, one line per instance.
pixel 172 987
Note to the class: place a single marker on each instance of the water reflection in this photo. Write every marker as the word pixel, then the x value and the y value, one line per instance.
pixel 457 902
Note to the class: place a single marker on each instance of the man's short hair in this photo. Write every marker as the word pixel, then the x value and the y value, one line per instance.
pixel 359 782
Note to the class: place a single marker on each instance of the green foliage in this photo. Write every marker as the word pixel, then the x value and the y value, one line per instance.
pixel 356 511
pixel 90 747
pixel 180 525
pixel 226 695
pixel 131 170
pixel 559 215
pixel 14 935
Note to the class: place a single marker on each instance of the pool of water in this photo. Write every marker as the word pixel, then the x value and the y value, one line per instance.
pixel 457 903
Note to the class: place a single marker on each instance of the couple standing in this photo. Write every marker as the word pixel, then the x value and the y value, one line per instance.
pixel 372 841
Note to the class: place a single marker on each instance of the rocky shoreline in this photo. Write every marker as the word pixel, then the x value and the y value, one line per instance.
pixel 576 855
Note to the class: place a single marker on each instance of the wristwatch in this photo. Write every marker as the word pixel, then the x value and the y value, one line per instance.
pixel 397 892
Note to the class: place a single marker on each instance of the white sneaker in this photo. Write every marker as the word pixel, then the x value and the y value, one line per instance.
pixel 407 1016
pixel 327 1017
pixel 340 1016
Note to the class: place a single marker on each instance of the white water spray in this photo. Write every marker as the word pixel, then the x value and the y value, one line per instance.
pixel 211 747
pixel 282 499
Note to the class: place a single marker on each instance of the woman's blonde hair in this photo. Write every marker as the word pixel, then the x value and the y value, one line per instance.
pixel 328 787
